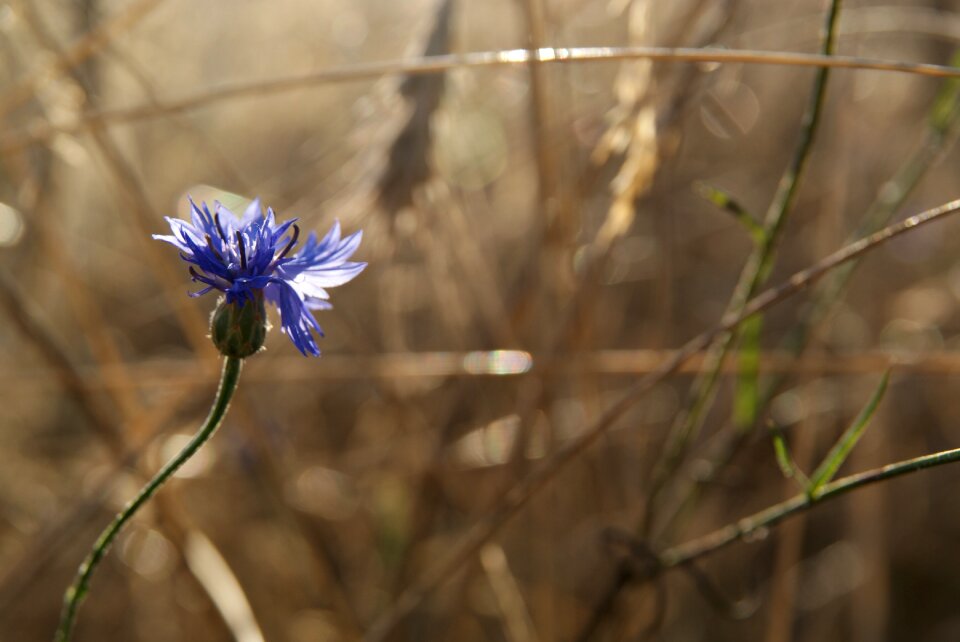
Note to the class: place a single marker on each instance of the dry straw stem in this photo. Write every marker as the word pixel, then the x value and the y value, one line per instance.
pixel 134 191
pixel 53 538
pixel 521 493
pixel 89 319
pixel 441 64
pixel 39 333
pixel 637 122
pixel 205 144
pixel 88 45
pixel 409 166
pixel 541 116
pixel 321 569
pixel 517 622
pixel 414 365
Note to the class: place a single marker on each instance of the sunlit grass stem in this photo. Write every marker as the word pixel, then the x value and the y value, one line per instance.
pixel 80 586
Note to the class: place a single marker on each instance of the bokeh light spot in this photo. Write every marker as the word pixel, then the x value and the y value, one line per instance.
pixel 11 226
pixel 498 362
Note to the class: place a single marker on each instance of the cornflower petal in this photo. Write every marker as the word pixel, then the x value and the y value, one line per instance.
pixel 252 212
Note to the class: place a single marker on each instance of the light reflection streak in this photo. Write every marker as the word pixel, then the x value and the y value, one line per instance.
pixel 180 372
pixel 498 362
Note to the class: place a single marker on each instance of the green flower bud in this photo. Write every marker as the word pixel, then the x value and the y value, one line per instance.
pixel 239 329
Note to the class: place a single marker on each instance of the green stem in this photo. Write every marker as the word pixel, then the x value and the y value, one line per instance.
pixel 687 424
pixel 80 586
pixel 690 551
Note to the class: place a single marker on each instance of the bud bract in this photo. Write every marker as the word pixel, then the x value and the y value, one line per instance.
pixel 239 329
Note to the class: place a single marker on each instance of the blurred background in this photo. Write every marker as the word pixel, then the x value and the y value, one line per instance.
pixel 538 238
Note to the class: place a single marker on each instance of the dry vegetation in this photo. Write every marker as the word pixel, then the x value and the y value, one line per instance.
pixel 539 242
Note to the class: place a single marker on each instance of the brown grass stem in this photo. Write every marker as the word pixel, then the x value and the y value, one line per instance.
pixel 441 64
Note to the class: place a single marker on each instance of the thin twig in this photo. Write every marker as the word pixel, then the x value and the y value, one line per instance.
pixel 169 374
pixel 51 538
pixel 39 333
pixel 132 188
pixel 409 165
pixel 541 123
pixel 86 46
pixel 441 64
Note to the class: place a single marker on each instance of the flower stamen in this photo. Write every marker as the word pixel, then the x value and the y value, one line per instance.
pixel 293 241
pixel 199 278
pixel 243 251
pixel 216 221
pixel 213 249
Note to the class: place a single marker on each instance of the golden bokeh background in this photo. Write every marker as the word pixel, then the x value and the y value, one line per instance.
pixel 537 241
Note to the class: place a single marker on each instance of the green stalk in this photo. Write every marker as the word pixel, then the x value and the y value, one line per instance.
pixel 756 271
pixel 729 534
pixel 845 444
pixel 80 586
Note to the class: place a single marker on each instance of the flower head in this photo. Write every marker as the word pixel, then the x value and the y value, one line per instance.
pixel 251 259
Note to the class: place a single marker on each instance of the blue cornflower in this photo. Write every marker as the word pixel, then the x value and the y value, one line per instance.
pixel 249 259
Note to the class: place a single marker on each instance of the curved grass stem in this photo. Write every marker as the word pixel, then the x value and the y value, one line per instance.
pixel 78 589
pixel 686 553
